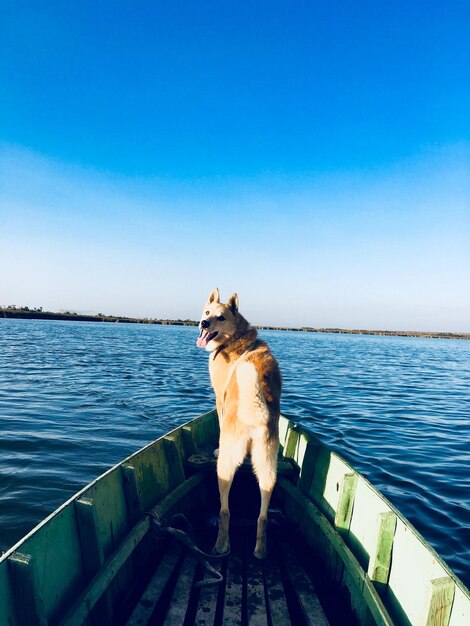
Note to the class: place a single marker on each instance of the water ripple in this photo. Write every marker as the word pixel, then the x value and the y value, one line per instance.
pixel 76 398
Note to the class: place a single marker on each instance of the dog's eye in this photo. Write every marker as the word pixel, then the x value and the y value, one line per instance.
pixel 207 312
pixel 221 318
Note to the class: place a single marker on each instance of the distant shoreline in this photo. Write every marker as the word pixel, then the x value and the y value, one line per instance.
pixel 39 314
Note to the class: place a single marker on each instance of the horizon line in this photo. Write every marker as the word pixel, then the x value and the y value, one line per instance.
pixel 13 312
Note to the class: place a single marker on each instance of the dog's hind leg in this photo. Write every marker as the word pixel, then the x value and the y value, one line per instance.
pixel 232 451
pixel 264 459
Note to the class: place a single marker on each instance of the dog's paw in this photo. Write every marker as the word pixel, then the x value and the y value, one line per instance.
pixel 222 549
pixel 261 553
pixel 261 548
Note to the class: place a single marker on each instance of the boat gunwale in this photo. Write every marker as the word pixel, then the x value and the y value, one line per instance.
pixel 91 484
pixel 383 498
pixel 291 425
pixel 297 426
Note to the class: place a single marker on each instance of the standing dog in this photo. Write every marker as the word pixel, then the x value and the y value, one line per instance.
pixel 247 384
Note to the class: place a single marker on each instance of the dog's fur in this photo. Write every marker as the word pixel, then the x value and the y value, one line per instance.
pixel 247 384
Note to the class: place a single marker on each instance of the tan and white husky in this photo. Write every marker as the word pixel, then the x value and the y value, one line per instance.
pixel 247 384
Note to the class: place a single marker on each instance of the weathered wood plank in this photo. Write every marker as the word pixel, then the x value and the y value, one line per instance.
pixel 308 599
pixel 29 608
pixel 293 435
pixel 276 598
pixel 144 609
pixel 308 466
pixel 109 514
pixel 171 504
pixel 155 477
pixel 174 459
pixel 380 561
pixel 92 553
pixel 79 612
pixel 284 424
pixel 233 592
pixel 56 548
pixel 7 606
pixel 256 601
pixel 346 502
pixel 332 550
pixel 98 585
pixel 317 484
pixel 177 437
pixel 189 440
pixel 207 604
pixel 179 601
pixel 200 434
pixel 440 598
pixel 129 483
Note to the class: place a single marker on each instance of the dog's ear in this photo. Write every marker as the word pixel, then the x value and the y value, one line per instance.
pixel 214 297
pixel 233 302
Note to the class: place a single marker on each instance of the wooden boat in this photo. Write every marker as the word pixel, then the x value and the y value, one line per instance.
pixel 340 553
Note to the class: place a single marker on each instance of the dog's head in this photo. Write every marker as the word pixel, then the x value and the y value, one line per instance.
pixel 219 322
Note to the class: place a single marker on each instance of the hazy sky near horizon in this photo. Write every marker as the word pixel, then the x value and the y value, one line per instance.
pixel 313 157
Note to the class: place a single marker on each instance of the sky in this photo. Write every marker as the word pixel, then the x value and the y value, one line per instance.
pixel 313 157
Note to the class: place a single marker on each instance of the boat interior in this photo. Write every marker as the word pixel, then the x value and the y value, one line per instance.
pixel 133 547
pixel 282 589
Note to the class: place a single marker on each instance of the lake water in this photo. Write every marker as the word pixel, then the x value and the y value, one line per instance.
pixel 77 397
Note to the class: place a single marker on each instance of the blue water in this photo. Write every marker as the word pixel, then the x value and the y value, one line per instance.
pixel 76 398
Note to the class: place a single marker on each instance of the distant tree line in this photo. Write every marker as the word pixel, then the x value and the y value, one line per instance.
pixel 37 313
pixel 13 307
pixel 25 312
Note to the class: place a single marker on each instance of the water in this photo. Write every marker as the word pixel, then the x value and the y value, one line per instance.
pixel 75 398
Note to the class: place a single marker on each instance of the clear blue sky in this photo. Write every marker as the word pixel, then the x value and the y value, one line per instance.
pixel 313 156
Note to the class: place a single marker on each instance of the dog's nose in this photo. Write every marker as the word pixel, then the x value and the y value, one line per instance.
pixel 205 324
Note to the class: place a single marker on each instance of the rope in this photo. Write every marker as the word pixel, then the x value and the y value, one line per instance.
pixel 186 538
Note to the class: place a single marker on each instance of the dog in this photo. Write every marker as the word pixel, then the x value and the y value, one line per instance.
pixel 247 384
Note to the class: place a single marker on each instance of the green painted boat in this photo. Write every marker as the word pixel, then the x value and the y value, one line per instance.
pixel 122 550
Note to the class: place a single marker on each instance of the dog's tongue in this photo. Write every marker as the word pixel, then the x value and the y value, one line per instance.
pixel 202 340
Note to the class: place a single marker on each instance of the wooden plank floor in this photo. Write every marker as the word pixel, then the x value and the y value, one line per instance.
pixel 274 592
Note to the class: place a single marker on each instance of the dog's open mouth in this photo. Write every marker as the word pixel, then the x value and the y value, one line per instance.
pixel 204 337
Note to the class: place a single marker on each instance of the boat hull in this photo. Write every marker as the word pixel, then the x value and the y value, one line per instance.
pixel 92 558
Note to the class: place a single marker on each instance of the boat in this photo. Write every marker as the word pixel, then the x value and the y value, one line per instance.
pixel 133 547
